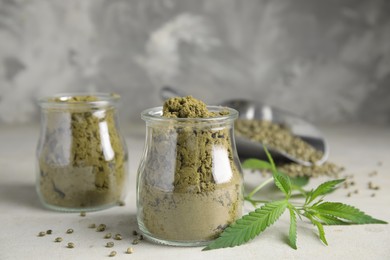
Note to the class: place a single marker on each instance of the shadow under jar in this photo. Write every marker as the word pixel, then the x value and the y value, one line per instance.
pixel 189 183
pixel 82 159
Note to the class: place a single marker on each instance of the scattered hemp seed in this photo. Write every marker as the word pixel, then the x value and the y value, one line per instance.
pixel 373 195
pixel 112 254
pixel 92 226
pixel 135 241
pixel 58 239
pixel 121 203
pixel 70 245
pixel 372 186
pixel 348 176
pixel 83 214
pixel 41 234
pixel 356 191
pixel 69 231
pixel 373 173
pixel 110 244
pixel 101 228
pixel 135 233
pixel 129 250
pixel 49 232
pixel 141 237
pixel 108 235
pixel 349 194
pixel 118 237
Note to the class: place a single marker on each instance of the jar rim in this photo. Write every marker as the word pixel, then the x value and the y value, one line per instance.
pixel 155 115
pixel 59 100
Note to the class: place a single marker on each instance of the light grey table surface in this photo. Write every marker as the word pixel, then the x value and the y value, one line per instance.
pixel 361 149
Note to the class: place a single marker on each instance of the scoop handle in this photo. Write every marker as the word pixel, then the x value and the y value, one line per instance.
pixel 167 92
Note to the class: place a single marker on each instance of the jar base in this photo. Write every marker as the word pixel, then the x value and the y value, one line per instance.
pixel 176 243
pixel 75 210
pixel 90 209
pixel 160 241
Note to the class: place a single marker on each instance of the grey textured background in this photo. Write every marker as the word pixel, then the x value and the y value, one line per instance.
pixel 328 61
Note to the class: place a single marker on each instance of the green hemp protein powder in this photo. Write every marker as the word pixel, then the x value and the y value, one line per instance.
pixel 82 159
pixel 190 180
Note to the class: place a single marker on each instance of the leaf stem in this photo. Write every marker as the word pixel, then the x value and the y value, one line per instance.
pixel 301 190
pixel 253 192
pixel 255 202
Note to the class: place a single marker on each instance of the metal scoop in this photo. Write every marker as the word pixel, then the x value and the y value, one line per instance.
pixel 248 148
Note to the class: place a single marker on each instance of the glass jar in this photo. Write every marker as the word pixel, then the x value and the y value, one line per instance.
pixel 189 183
pixel 82 159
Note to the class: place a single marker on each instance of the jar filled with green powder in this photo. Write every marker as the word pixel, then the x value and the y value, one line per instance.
pixel 82 159
pixel 190 183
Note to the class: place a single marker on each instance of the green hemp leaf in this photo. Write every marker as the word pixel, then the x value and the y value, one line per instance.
pixel 292 236
pixel 250 225
pixel 317 211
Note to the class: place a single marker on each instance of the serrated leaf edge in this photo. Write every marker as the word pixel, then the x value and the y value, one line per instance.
pixel 320 228
pixel 346 212
pixel 283 183
pixel 250 225
pixel 292 235
pixel 323 189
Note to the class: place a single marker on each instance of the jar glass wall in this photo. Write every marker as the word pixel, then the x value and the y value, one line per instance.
pixel 82 159
pixel 189 185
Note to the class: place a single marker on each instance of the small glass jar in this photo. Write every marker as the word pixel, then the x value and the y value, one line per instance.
pixel 189 183
pixel 82 159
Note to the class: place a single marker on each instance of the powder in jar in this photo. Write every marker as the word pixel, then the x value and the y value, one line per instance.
pixel 181 198
pixel 82 160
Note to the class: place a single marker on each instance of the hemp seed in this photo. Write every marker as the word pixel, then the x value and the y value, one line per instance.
pixel 278 137
pixel 107 236
pixel 373 173
pixel 58 239
pixel 41 234
pixel 112 254
pixel 129 250
pixel 371 186
pixel 70 245
pixel 101 228
pixel 110 244
pixel 69 231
